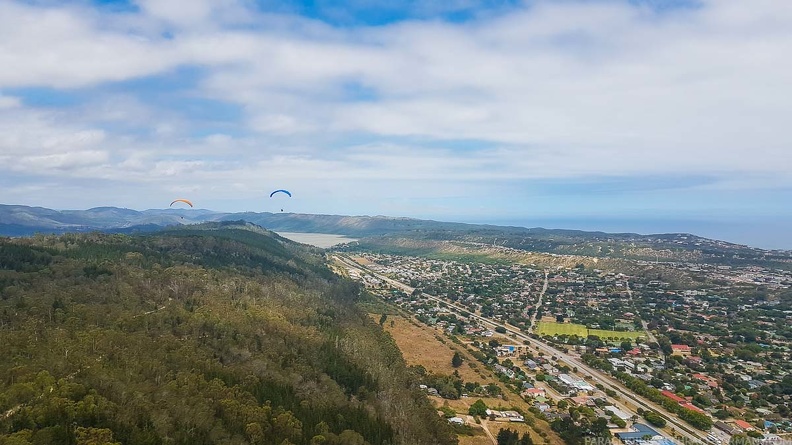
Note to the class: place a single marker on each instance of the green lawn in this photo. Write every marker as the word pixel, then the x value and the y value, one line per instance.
pixel 545 328
pixel 603 334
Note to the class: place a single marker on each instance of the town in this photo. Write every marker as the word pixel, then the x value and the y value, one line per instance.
pixel 655 356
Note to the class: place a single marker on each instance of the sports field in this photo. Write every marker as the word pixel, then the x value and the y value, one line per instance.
pixel 552 328
pixel 603 334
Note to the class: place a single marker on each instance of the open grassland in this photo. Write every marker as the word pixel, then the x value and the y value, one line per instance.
pixel 552 328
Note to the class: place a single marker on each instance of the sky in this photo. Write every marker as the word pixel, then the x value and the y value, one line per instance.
pixel 628 115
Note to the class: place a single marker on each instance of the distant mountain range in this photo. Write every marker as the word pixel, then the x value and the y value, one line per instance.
pixel 16 220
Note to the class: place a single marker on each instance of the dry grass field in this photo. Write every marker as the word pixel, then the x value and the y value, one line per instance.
pixel 360 260
pixel 422 345
pixel 474 440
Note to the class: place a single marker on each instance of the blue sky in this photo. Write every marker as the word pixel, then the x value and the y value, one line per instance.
pixel 611 114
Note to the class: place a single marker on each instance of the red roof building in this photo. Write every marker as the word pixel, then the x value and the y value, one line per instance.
pixel 673 396
pixel 692 407
pixel 745 426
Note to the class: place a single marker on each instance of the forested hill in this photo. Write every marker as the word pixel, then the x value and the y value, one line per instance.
pixel 213 334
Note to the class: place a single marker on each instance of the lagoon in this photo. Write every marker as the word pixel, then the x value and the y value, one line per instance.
pixel 323 240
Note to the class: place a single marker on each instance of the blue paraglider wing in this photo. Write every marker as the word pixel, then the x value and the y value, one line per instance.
pixel 280 191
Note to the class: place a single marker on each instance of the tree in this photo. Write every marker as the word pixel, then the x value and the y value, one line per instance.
pixel 94 436
pixel 510 437
pixel 654 418
pixel 382 320
pixel 721 414
pixel 479 408
pixel 507 437
pixel 456 360
pixel 665 346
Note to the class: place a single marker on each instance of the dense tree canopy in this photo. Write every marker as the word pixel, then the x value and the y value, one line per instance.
pixel 212 334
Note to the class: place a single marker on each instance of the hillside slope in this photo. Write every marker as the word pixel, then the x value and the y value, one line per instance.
pixel 221 333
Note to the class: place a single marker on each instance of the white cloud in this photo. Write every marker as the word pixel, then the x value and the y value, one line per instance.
pixel 9 102
pixel 556 90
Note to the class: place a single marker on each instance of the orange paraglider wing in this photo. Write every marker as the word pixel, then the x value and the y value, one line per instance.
pixel 181 200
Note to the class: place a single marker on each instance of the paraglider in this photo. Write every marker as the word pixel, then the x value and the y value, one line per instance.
pixel 181 200
pixel 285 192
pixel 280 191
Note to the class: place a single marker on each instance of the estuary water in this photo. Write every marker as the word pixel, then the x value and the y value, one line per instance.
pixel 323 240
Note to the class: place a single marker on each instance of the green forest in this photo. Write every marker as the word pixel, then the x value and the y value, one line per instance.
pixel 219 333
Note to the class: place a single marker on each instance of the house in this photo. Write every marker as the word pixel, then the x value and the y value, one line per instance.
pixel 641 432
pixel 672 396
pixel 693 360
pixel 457 420
pixel 726 428
pixel 755 384
pixel 505 371
pixel 745 426
pixel 619 413
pixel 506 416
pixel 711 382
pixel 683 350
pixel 506 351
pixel 692 407
pixel 580 401
pixel 684 403
pixel 533 392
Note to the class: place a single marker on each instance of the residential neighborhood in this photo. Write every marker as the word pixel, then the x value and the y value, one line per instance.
pixel 665 337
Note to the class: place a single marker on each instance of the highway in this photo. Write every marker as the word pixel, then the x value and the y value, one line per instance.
pixel 676 425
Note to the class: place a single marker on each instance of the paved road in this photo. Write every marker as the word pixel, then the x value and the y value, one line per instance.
pixel 627 397
pixel 649 335
pixel 538 304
